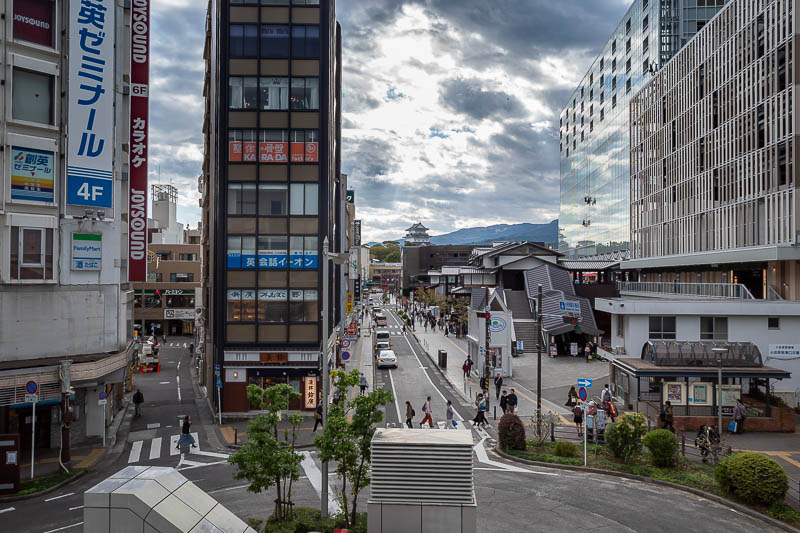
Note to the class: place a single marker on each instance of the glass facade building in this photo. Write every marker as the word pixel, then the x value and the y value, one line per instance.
pixel 594 127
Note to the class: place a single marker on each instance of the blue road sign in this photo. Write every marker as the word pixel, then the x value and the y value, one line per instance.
pixel 345 356
pixel 569 306
pixel 582 394
pixel 583 382
pixel 101 396
pixel 31 387
pixel 219 382
pixel 345 343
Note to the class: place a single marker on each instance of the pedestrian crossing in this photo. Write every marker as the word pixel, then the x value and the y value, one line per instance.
pixel 155 448
pixel 441 424
pixel 178 345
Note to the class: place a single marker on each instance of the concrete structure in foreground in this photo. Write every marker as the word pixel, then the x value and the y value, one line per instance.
pixel 422 481
pixel 155 500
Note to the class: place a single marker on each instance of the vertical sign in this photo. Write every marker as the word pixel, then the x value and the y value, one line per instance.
pixel 90 143
pixel 137 193
pixel 311 392
pixel 356 233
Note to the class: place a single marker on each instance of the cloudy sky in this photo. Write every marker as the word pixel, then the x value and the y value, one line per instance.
pixel 450 107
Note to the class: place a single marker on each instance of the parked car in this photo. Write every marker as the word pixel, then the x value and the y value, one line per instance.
pixel 387 358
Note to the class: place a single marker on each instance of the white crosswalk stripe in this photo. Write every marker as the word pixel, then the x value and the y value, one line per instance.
pixel 155 448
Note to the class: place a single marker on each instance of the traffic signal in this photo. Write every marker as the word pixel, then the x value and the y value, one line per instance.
pixel 488 317
pixel 570 320
pixel 158 292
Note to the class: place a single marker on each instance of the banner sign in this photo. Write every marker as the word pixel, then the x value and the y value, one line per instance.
pixel 351 196
pixel 87 251
pixel 32 175
pixel 90 142
pixel 33 21
pixel 356 233
pixel 179 314
pixel 139 128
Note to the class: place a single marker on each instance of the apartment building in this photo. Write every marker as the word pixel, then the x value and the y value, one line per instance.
pixel 65 307
pixel 271 194
pixel 594 126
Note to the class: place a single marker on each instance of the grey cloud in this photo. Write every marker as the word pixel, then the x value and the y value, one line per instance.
pixel 470 97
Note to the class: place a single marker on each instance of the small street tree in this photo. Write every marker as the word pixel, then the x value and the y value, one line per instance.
pixel 269 457
pixel 347 437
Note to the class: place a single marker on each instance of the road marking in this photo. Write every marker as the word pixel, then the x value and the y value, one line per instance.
pixel 179 364
pixel 155 425
pixel 396 404
pixel 218 455
pixel 227 489
pixel 59 497
pixel 480 452
pixel 74 508
pixel 178 379
pixel 155 448
pixel 164 382
pixel 7 510
pixel 136 451
pixel 315 478
pixel 63 528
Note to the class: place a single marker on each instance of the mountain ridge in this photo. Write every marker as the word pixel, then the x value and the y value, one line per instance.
pixel 547 233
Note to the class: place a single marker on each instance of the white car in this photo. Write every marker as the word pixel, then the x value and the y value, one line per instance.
pixel 387 358
pixel 382 347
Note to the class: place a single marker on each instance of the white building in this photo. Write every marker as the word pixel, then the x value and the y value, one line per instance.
pixel 63 214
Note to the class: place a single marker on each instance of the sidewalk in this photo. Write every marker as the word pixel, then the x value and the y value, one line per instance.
pixel 235 434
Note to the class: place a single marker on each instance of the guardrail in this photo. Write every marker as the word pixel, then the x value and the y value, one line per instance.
pixel 735 291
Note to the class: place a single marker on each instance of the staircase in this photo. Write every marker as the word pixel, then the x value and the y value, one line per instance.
pixel 524 322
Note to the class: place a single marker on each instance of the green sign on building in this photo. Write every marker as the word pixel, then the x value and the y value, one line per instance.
pixel 351 197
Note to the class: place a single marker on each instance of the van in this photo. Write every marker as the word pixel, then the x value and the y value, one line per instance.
pixel 380 336
pixel 380 320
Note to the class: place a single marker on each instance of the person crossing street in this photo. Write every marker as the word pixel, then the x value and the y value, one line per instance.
pixel 428 413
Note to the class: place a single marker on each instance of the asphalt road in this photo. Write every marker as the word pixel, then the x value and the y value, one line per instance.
pixel 511 497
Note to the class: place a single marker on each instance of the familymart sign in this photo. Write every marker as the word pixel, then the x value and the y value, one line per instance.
pixel 87 251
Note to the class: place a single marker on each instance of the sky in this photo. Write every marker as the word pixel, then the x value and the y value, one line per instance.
pixel 450 108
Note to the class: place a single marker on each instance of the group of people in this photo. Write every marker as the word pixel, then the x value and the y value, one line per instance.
pixel 427 411
pixel 449 325
pixel 597 413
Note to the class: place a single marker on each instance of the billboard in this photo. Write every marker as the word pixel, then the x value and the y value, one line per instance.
pixel 87 251
pixel 90 142
pixel 139 128
pixel 33 21
pixel 32 174
pixel 356 233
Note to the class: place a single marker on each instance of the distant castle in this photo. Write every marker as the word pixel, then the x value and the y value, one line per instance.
pixel 417 235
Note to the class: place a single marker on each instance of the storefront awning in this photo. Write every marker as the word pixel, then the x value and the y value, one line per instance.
pixel 643 368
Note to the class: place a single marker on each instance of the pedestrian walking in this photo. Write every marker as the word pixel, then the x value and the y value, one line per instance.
pixel 449 416
pixel 186 438
pixel 739 414
pixel 480 417
pixel 318 417
pixel 605 395
pixel 498 383
pixel 504 402
pixel 577 417
pixel 410 414
pixel 572 397
pixel 667 417
pixel 465 368
pixel 426 326
pixel 362 383
pixel 587 351
pixel 138 400
pixel 163 338
pixel 426 408
pixel 512 401
pixel 469 365
pixel 191 348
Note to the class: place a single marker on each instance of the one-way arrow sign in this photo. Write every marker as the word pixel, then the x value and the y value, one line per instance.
pixel 583 382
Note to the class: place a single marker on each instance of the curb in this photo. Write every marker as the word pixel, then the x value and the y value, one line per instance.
pixel 697 492
pixel 5 499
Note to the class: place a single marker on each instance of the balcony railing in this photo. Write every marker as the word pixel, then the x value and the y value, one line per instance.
pixel 735 291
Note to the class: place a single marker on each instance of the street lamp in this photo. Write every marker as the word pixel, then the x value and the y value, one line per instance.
pixel 338 259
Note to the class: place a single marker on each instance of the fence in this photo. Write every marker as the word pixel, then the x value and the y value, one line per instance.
pixel 686 290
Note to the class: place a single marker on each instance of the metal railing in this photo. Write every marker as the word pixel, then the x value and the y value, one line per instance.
pixel 772 294
pixel 686 290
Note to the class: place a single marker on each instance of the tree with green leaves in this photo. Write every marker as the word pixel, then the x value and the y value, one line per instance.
pixel 269 457
pixel 347 437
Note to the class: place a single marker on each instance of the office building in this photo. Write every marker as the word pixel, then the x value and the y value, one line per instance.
pixel 271 193
pixel 713 207
pixel 65 307
pixel 594 125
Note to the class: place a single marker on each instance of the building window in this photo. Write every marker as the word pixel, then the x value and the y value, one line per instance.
pixel 305 146
pixel 614 65
pixel 628 26
pixel 602 64
pixel 31 253
pixel 303 305
pixel 273 306
pixel 644 4
pixel 645 67
pixel 602 115
pixel 628 86
pixel 645 22
pixel 305 93
pixel 241 305
pixel 602 96
pixel 274 41
pixel 272 199
pixel 32 96
pixel 181 277
pixel 645 44
pixel 614 101
pixel 773 322
pixel 242 92
pixel 613 46
pixel 662 327
pixel 272 252
pixel 187 257
pixel 628 46
pixel 305 42
pixel 305 2
pixel 714 328
pixel 243 40
pixel 628 66
pixel 241 252
pixel 242 199
pixel 273 146
pixel 303 252
pixel 34 21
pixel 242 146
pixel 274 94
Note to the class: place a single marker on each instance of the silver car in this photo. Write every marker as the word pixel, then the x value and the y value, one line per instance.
pixel 387 358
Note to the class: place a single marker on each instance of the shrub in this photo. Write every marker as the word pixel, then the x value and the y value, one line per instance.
pixel 566 449
pixel 662 445
pixel 511 432
pixel 624 437
pixel 753 478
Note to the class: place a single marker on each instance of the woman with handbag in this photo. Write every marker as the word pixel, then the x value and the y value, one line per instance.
pixel 572 397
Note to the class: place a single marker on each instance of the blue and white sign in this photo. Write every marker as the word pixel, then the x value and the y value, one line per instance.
pixel 569 306
pixel 271 259
pixel 90 141
pixel 234 260
pixel 345 356
pixel 219 382
pixel 497 324
pixel 87 251
pixel 583 382
pixel 299 260
pixel 520 346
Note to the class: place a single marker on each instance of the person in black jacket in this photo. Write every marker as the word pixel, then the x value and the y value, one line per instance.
pixel 186 438
pixel 498 383
pixel 512 401
pixel 138 400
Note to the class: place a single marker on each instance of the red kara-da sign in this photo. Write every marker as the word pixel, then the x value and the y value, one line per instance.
pixel 33 21
pixel 137 193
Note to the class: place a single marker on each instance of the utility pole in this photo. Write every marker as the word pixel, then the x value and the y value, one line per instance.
pixel 539 364
pixel 486 369
pixel 323 501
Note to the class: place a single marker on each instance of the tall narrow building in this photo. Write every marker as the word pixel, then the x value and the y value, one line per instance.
pixel 270 193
